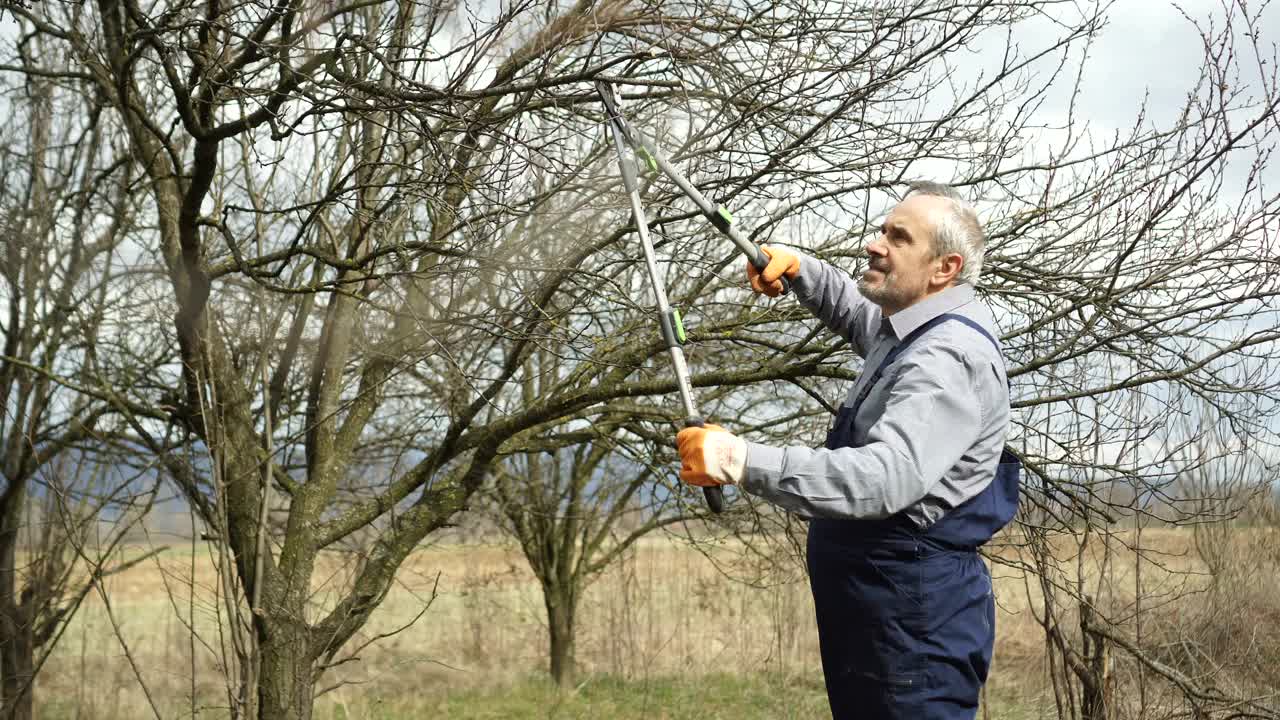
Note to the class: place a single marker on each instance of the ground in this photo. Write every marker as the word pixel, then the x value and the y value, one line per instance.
pixel 667 633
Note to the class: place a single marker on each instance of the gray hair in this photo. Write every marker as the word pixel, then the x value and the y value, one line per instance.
pixel 956 229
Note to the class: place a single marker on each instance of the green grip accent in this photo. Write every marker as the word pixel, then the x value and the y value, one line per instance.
pixel 648 159
pixel 671 327
pixel 722 219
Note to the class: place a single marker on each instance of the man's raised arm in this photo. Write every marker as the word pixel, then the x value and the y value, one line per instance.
pixel 827 291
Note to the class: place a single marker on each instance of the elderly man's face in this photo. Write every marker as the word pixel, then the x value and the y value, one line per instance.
pixel 901 261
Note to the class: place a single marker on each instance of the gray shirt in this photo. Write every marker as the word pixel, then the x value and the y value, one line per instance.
pixel 930 433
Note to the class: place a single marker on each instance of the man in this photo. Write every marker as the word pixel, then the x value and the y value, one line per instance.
pixel 913 477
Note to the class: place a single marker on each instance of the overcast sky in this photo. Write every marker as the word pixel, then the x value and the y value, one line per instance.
pixel 1148 46
pixel 1151 51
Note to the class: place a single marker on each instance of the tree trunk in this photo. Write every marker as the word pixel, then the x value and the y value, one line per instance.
pixel 17 648
pixel 17 636
pixel 560 617
pixel 1095 695
pixel 286 684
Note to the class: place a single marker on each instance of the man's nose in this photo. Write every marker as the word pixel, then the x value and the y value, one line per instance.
pixel 877 247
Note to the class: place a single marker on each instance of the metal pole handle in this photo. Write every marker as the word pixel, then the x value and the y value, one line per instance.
pixel 719 216
pixel 668 319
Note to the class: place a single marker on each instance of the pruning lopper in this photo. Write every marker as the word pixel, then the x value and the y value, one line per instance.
pixel 669 318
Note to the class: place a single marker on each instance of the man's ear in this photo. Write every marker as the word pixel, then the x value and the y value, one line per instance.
pixel 949 266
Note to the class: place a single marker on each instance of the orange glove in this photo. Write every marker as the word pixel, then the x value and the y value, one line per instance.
pixel 711 455
pixel 781 263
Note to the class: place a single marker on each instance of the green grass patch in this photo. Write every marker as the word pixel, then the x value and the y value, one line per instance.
pixel 673 698
pixel 713 697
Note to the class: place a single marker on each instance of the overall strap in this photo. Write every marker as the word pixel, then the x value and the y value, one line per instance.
pixel 915 334
pixel 974 324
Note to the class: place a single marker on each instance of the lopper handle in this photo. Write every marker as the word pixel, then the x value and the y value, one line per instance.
pixel 761 261
pixel 719 216
pixel 713 494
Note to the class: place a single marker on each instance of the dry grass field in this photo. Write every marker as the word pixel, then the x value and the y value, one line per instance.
pixel 666 633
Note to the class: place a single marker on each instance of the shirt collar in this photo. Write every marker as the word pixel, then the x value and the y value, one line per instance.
pixel 910 318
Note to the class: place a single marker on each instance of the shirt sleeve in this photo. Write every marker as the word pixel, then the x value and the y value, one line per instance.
pixel 932 418
pixel 833 297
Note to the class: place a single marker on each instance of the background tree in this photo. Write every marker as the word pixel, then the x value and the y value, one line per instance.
pixel 577 507
pixel 66 211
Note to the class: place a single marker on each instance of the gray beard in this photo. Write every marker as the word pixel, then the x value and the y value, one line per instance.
pixel 889 294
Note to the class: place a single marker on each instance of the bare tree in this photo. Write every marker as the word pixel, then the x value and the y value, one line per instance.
pixel 1158 306
pixel 65 212
pixel 398 264
pixel 577 507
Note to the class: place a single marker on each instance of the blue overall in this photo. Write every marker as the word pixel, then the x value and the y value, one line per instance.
pixel 906 617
